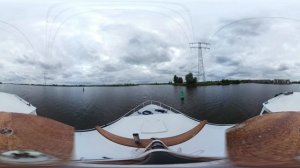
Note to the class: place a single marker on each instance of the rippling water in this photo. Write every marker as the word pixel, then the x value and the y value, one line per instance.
pixel 100 105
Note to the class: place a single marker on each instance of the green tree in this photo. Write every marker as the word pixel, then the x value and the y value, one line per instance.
pixel 175 79
pixel 194 80
pixel 189 78
pixel 225 82
pixel 180 80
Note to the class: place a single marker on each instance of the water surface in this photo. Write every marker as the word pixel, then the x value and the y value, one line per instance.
pixel 100 105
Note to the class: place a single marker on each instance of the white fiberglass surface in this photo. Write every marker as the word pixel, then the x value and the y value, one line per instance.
pixel 152 108
pixel 13 103
pixel 170 124
pixel 156 126
pixel 209 142
pixel 92 145
pixel 284 103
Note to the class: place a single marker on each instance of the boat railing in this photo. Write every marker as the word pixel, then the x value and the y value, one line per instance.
pixel 22 100
pixel 170 108
pixel 136 108
pixel 145 103
pixel 149 102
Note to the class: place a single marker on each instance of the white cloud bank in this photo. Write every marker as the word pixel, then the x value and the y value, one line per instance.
pixel 107 42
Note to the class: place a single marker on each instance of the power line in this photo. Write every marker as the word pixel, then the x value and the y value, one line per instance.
pixel 200 46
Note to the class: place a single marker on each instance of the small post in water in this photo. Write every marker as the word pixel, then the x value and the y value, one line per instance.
pixel 181 94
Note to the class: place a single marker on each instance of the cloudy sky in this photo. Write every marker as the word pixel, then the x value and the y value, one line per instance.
pixel 109 42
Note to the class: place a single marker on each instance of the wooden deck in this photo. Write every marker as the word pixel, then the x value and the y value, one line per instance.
pixel 169 141
pixel 268 140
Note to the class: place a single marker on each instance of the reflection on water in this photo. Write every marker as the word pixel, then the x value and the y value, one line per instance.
pixel 100 105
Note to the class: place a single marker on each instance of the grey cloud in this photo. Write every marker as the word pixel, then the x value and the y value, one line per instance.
pixel 24 59
pixel 250 28
pixel 241 31
pixel 215 75
pixel 165 71
pixel 138 46
pixel 110 68
pixel 254 72
pixel 283 67
pixel 125 49
pixel 31 61
pixel 146 48
pixel 67 75
pixel 246 27
pixel 224 73
pixel 16 77
pixel 239 73
pixel 181 67
pixel 51 67
pixel 246 50
pixel 243 72
pixel 78 48
pixel 226 61
pixel 297 64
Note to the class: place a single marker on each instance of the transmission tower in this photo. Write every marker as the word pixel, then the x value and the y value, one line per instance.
pixel 200 46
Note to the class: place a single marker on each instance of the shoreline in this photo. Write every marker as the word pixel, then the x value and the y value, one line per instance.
pixel 198 84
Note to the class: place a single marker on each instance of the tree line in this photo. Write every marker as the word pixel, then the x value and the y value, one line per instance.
pixel 189 79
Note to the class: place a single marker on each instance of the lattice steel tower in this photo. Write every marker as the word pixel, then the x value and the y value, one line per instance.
pixel 200 46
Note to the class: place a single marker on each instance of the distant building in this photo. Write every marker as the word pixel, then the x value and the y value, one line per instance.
pixel 281 81
pixel 263 81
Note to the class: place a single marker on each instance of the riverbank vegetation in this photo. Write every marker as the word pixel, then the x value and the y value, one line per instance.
pixel 192 81
pixel 187 80
pixel 209 83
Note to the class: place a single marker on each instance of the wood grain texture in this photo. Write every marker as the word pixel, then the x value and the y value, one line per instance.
pixel 169 141
pixel 36 133
pixel 268 140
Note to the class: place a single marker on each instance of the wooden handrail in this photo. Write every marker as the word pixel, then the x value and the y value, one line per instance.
pixel 169 141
